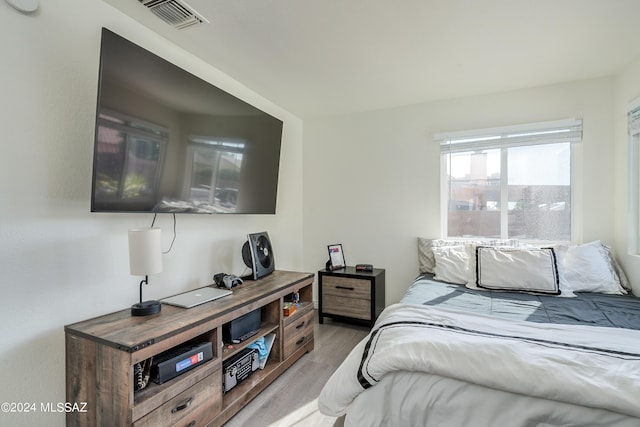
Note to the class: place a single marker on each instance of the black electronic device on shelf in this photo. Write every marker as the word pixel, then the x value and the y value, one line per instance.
pixel 242 328
pixel 257 254
pixel 239 368
pixel 172 363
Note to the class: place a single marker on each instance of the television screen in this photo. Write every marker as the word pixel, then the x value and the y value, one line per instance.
pixel 168 141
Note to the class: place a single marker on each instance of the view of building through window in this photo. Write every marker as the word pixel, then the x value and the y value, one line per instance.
pixel 521 192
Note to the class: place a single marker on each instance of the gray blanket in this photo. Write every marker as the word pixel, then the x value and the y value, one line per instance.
pixel 618 311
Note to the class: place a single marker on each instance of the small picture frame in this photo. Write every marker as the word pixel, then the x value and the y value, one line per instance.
pixel 336 257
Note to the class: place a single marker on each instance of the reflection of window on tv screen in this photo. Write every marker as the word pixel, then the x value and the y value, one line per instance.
pixel 216 167
pixel 168 141
pixel 128 161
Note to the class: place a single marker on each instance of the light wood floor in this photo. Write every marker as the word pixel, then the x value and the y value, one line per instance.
pixel 291 399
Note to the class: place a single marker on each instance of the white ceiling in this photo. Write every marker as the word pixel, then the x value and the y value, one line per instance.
pixel 340 56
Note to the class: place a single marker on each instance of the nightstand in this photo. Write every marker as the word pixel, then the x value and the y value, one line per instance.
pixel 350 295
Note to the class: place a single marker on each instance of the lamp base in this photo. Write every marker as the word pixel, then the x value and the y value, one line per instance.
pixel 146 308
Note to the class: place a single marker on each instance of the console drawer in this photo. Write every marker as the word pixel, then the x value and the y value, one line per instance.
pixel 194 407
pixel 298 333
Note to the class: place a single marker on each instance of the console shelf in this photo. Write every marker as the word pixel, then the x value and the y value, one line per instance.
pixel 231 350
pixel 101 355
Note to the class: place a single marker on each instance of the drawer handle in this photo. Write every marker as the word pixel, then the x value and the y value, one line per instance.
pixel 300 325
pixel 192 424
pixel 348 288
pixel 185 405
pixel 300 341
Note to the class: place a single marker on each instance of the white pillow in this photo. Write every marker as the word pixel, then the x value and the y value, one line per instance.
pixel 426 258
pixel 617 269
pixel 523 270
pixel 587 268
pixel 565 289
pixel 451 264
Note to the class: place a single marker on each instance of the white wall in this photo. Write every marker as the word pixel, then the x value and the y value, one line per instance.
pixel 627 90
pixel 59 262
pixel 371 180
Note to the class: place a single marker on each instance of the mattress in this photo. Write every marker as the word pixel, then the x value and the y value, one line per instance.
pixel 594 309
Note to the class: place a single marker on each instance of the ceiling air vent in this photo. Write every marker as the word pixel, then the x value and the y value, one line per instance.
pixel 175 12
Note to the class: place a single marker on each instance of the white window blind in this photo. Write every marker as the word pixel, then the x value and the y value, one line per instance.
pixel 552 132
pixel 634 122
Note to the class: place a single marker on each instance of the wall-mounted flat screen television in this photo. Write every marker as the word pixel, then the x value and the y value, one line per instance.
pixel 168 141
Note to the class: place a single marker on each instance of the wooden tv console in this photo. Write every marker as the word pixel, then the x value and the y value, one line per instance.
pixel 101 354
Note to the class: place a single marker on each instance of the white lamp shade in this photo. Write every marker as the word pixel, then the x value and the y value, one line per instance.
pixel 145 251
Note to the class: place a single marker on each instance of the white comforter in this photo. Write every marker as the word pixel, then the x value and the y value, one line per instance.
pixel 574 373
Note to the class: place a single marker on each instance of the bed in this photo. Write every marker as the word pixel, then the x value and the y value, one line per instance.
pixel 489 351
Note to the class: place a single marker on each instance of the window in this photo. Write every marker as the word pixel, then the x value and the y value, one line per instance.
pixel 634 178
pixel 509 183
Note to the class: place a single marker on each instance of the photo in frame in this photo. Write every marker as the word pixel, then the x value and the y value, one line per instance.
pixel 336 257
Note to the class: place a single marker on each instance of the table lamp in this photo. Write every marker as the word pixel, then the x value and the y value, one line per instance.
pixel 145 257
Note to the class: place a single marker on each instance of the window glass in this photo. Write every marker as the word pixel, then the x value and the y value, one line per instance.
pixel 539 192
pixel 474 194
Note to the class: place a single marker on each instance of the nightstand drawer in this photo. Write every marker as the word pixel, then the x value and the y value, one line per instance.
pixel 346 287
pixel 193 407
pixel 298 333
pixel 349 307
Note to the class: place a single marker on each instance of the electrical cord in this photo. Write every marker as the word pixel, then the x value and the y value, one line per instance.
pixel 174 230
pixel 143 373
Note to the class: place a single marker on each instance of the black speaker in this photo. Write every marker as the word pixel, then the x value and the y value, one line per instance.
pixel 258 255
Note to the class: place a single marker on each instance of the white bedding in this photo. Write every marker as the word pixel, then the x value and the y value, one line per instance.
pixel 435 367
